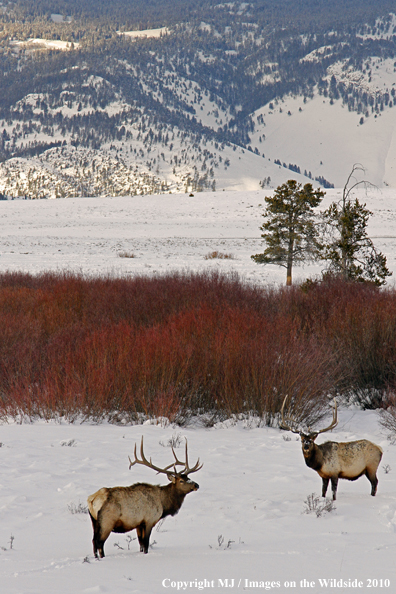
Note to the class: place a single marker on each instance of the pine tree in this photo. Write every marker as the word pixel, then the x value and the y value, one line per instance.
pixel 289 230
pixel 348 249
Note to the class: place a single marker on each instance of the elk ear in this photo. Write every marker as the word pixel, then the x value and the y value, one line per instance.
pixel 172 478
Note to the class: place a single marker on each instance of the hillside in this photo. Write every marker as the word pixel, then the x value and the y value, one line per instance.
pixel 217 96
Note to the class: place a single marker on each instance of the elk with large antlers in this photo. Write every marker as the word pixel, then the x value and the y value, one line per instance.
pixel 140 506
pixel 332 460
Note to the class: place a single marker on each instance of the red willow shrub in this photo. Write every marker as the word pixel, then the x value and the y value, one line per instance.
pixel 185 344
pixel 358 321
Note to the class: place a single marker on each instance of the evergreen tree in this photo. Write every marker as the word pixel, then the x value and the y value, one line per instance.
pixel 348 249
pixel 289 229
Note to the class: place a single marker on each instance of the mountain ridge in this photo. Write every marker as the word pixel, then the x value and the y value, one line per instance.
pixel 225 100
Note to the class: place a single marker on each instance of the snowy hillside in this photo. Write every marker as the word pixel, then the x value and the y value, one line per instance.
pixel 322 137
pixel 224 101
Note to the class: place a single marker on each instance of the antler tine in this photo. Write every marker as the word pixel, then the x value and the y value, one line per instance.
pixel 186 454
pixel 136 460
pixel 283 424
pixel 334 422
pixel 149 463
pixel 186 470
pixel 177 462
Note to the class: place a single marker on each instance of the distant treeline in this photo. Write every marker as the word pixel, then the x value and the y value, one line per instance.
pixel 143 14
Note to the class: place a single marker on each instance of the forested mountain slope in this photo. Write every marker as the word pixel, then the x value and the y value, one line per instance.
pixel 118 98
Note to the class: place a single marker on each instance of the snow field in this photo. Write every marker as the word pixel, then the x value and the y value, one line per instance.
pixel 162 233
pixel 246 521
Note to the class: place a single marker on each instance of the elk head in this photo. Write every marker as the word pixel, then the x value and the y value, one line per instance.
pixel 307 439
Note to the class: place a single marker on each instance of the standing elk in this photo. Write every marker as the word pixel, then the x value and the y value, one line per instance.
pixel 332 460
pixel 140 506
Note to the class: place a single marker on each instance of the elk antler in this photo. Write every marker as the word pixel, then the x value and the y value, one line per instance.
pixel 187 470
pixel 314 434
pixel 283 424
pixel 333 423
pixel 145 462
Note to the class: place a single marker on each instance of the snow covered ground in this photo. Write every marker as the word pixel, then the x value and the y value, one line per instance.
pixel 246 524
pixel 54 44
pixel 146 33
pixel 163 233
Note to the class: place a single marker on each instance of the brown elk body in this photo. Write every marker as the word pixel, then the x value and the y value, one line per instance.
pixel 332 460
pixel 140 506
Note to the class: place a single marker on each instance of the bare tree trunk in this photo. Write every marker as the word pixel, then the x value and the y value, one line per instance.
pixel 289 275
pixel 289 263
pixel 345 200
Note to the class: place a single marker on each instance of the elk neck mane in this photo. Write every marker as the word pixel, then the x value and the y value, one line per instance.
pixel 172 500
pixel 319 454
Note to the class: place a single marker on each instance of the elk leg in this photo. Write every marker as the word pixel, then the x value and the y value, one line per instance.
pixel 102 530
pixel 98 542
pixel 144 533
pixel 95 529
pixel 140 535
pixel 146 540
pixel 372 477
pixel 334 483
pixel 325 482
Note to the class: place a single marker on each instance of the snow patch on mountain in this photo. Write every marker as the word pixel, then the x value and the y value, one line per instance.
pixel 378 74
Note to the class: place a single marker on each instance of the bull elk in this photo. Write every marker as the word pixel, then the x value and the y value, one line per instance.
pixel 332 460
pixel 140 506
